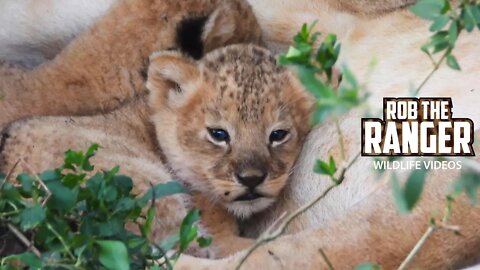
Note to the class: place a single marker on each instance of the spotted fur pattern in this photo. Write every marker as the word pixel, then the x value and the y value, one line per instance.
pixel 241 90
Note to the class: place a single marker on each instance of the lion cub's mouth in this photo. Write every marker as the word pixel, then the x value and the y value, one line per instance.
pixel 249 196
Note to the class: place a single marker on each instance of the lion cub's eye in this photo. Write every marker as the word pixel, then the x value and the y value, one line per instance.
pixel 219 135
pixel 278 136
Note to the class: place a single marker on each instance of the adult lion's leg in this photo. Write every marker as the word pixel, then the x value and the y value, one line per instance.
pixel 104 67
pixel 379 235
pixel 40 144
pixel 373 231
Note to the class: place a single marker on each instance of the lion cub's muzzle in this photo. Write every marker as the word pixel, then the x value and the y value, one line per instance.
pixel 251 179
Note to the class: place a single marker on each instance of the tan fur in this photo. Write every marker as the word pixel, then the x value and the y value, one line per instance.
pixel 239 89
pixel 209 94
pixel 84 81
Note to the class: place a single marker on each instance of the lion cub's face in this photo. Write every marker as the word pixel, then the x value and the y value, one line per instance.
pixel 230 125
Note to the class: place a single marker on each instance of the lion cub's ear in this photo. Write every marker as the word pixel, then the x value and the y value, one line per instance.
pixel 172 78
pixel 220 27
pixel 232 22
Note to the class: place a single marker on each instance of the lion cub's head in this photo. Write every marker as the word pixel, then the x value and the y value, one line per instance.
pixel 231 125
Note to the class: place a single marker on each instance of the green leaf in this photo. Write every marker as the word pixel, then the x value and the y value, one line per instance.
pixel 293 52
pixel 453 33
pixel 469 18
pixel 169 242
pixel 10 193
pixel 398 195
pixel 428 9
pixel 321 167
pixel 204 241
pixel 26 182
pixel 125 204
pixel 94 184
pixel 111 227
pixel 28 258
pixel 476 14
pixel 439 23
pixel 62 197
pixel 349 77
pixel 161 190
pixel 147 226
pixel 414 187
pixel 124 183
pixel 310 81
pixel 406 198
pixel 136 242
pixel 31 217
pixel 332 165
pixel 76 159
pixel 86 165
pixel 452 62
pixel 188 232
pixel 109 194
pixel 72 180
pixel 468 182
pixel 368 266
pixel 109 175
pixel 50 175
pixel 113 255
pixel 72 159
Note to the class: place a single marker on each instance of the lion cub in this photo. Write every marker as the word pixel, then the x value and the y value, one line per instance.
pixel 230 127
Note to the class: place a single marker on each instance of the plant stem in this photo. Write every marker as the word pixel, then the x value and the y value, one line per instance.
pixel 435 68
pixel 9 174
pixel 23 239
pixel 269 235
pixel 430 230
pixel 327 261
pixel 42 184
pixel 417 247
pixel 64 244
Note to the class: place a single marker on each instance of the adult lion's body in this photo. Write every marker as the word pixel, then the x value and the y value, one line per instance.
pixel 357 222
pixel 91 81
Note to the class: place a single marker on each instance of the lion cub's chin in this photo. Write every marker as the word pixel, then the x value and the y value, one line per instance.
pixel 244 209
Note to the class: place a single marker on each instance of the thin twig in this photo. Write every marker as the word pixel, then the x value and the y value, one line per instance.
pixel 64 244
pixel 9 173
pixel 417 247
pixel 327 261
pixel 164 256
pixel 24 239
pixel 277 222
pixel 269 235
pixel 430 230
pixel 435 68
pixel 32 171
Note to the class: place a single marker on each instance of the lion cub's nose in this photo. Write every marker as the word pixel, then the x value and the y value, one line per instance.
pixel 251 178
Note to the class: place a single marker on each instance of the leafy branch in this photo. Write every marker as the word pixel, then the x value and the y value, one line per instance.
pixel 448 22
pixel 278 227
pixel 70 220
